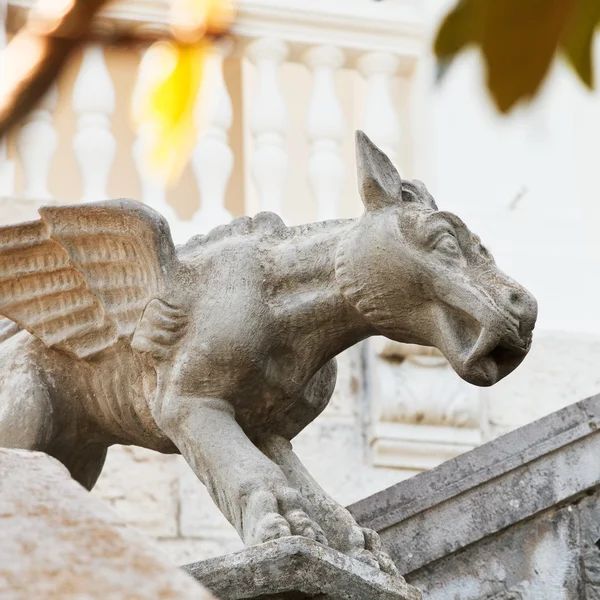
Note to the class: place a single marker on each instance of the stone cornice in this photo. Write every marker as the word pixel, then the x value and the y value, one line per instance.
pixel 355 26
pixel 475 495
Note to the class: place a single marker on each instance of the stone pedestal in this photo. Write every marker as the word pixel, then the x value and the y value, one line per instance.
pixel 295 568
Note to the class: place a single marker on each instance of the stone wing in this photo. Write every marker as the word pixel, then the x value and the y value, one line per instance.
pixel 80 277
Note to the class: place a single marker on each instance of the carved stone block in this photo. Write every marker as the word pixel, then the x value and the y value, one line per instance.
pixel 422 413
pixel 295 568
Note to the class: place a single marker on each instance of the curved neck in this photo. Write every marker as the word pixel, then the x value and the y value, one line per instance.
pixel 305 290
pixel 352 287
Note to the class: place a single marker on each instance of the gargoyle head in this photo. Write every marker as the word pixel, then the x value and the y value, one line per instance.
pixel 419 275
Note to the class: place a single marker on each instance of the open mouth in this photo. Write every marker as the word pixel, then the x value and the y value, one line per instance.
pixel 482 355
pixel 494 356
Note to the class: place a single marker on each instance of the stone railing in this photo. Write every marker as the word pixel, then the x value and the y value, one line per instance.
pixel 377 42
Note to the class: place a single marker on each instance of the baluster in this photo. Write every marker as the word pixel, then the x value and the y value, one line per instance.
pixel 94 104
pixel 381 120
pixel 7 167
pixel 325 130
pixel 212 159
pixel 36 144
pixel 269 124
pixel 154 190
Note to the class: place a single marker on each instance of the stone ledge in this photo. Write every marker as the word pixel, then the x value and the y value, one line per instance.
pixel 545 464
pixel 296 568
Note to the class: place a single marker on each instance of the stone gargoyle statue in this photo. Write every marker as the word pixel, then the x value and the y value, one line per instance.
pixel 223 349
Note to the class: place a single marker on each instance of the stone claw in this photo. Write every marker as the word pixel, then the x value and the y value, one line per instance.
pixel 372 540
pixel 279 512
pixel 365 556
pixel 373 545
pixel 271 526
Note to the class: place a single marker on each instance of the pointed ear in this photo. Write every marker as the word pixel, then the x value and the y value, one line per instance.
pixel 379 182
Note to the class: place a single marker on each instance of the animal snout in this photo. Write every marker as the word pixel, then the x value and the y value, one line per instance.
pixel 523 307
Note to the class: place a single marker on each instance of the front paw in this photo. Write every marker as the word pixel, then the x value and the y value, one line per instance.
pixel 347 536
pixel 278 511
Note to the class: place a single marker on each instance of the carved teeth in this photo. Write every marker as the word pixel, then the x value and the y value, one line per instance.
pixel 485 343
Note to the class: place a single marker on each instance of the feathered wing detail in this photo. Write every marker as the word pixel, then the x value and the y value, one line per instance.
pixel 8 328
pixel 80 277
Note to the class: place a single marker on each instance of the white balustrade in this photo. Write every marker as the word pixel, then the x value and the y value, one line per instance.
pixel 154 189
pixel 381 120
pixel 325 126
pixel 269 123
pixel 212 159
pixel 94 105
pixel 37 142
pixel 322 46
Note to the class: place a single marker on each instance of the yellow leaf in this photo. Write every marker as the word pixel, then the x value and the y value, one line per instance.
pixel 164 104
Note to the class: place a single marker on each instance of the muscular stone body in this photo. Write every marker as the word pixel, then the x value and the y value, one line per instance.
pixel 224 349
pixel 276 383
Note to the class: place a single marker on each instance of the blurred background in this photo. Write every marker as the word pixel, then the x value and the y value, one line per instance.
pixel 283 97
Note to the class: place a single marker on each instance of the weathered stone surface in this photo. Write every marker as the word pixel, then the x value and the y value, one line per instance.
pixel 184 550
pixel 57 541
pixel 296 568
pixel 517 518
pixel 536 559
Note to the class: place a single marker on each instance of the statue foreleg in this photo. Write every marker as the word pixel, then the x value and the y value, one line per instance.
pixel 341 529
pixel 249 488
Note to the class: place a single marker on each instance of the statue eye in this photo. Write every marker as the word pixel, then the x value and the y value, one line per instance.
pixel 448 244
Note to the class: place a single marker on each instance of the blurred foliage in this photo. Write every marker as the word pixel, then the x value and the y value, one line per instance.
pixel 55 29
pixel 519 39
pixel 38 52
pixel 164 108
pixel 172 87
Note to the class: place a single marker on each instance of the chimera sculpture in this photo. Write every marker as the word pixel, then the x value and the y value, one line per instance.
pixel 224 349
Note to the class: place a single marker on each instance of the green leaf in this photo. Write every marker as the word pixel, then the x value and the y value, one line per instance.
pixel 518 39
pixel 577 39
pixel 519 44
pixel 461 27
